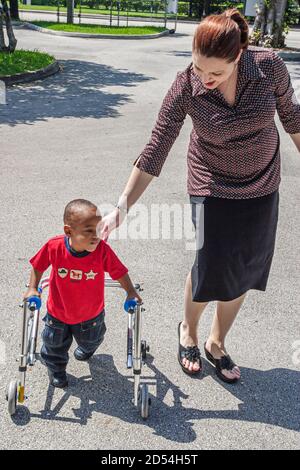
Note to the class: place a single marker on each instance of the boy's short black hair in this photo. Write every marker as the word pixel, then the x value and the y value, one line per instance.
pixel 77 205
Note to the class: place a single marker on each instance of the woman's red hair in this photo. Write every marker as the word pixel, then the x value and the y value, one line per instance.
pixel 222 36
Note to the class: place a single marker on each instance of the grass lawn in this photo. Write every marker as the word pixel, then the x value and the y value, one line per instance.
pixel 97 29
pixel 93 11
pixel 23 61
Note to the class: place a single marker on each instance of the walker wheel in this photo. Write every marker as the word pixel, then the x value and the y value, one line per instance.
pixel 144 349
pixel 145 401
pixel 12 396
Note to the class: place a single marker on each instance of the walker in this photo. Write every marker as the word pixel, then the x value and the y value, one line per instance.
pixel 136 349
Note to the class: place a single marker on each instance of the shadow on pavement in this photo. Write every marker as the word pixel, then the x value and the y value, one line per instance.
pixel 81 90
pixel 181 54
pixel 268 397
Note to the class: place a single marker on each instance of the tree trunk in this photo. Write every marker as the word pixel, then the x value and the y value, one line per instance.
pixel 200 9
pixel 280 7
pixel 260 16
pixel 70 11
pixel 2 39
pixel 269 22
pixel 207 7
pixel 14 9
pixel 270 19
pixel 191 8
pixel 5 16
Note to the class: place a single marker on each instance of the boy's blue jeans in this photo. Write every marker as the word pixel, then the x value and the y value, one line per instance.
pixel 57 338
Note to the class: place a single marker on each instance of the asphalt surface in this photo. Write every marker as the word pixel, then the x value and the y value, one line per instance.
pixel 76 135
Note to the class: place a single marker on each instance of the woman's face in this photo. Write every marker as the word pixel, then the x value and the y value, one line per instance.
pixel 213 71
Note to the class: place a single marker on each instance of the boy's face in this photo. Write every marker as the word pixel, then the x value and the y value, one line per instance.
pixel 82 230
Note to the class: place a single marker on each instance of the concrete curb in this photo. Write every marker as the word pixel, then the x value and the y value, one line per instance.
pixel 26 77
pixel 289 55
pixel 93 36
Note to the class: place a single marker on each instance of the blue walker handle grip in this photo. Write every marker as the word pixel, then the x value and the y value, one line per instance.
pixel 130 304
pixel 34 299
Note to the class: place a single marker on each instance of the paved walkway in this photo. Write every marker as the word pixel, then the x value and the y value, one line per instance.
pixel 76 135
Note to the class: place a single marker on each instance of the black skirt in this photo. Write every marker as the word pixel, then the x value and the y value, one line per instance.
pixel 235 245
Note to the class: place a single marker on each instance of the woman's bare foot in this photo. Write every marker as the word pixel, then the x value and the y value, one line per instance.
pixel 187 339
pixel 218 351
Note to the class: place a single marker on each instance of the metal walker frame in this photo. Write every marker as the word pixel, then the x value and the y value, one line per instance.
pixel 136 348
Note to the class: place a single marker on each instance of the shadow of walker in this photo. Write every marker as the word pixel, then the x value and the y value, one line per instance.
pixel 267 397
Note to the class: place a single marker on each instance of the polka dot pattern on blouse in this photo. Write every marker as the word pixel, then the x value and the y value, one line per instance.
pixel 234 150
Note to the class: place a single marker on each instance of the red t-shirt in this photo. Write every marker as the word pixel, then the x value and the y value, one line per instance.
pixel 76 288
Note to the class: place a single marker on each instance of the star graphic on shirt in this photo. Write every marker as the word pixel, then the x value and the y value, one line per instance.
pixel 90 275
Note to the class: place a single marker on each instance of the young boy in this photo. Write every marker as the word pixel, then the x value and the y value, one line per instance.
pixel 75 306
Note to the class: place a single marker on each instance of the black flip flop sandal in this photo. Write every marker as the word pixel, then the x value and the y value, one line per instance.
pixel 225 362
pixel 191 353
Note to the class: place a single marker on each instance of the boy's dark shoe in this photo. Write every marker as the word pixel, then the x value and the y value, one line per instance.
pixel 58 379
pixel 82 356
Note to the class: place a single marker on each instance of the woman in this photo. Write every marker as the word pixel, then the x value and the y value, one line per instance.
pixel 231 91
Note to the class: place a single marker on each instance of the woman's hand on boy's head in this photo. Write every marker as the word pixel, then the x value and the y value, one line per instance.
pixel 108 223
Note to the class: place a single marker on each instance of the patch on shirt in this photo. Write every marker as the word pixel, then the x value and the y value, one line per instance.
pixel 90 275
pixel 62 272
pixel 76 274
